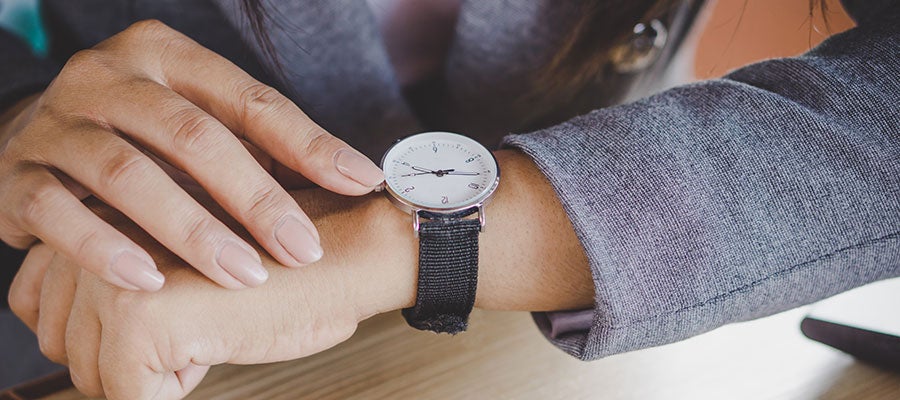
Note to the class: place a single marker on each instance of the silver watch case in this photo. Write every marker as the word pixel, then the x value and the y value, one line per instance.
pixel 413 209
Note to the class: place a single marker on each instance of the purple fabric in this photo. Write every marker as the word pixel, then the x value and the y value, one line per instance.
pixel 560 323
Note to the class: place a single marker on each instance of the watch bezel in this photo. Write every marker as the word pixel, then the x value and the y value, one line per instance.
pixel 412 208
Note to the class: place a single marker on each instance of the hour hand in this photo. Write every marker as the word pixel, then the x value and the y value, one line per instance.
pixel 416 174
pixel 420 169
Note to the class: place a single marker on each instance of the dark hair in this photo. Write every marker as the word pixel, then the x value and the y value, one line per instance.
pixel 259 18
pixel 581 55
pixel 586 48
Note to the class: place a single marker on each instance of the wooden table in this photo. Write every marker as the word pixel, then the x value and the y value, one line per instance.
pixel 504 356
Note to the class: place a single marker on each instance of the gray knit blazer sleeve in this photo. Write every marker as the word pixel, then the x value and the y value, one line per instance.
pixel 736 198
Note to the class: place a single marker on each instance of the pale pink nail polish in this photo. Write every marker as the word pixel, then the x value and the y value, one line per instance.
pixel 242 265
pixel 137 272
pixel 297 239
pixel 357 167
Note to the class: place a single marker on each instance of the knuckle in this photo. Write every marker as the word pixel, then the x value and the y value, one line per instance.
pixel 84 62
pixel 124 167
pixel 194 132
pixel 37 202
pixel 18 241
pixel 50 346
pixel 14 236
pixel 317 141
pixel 20 303
pixel 85 245
pixel 265 201
pixel 198 231
pixel 89 389
pixel 179 352
pixel 257 100
pixel 15 150
pixel 147 29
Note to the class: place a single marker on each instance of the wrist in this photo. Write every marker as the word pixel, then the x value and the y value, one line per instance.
pixel 529 256
pixel 372 242
pixel 391 279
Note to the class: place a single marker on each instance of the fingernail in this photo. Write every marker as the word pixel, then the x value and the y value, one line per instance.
pixel 298 240
pixel 242 265
pixel 357 167
pixel 137 272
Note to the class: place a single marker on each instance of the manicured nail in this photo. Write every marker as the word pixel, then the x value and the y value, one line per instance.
pixel 357 167
pixel 298 240
pixel 137 272
pixel 242 265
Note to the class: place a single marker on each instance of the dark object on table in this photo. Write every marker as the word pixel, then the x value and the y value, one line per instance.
pixel 881 349
pixel 864 323
pixel 39 388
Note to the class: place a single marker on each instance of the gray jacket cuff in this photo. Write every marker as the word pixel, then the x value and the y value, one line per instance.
pixel 735 198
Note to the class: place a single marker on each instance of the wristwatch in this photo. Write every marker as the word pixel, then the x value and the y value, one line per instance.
pixel 443 180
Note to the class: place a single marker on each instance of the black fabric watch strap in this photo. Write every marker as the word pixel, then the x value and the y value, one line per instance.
pixel 448 275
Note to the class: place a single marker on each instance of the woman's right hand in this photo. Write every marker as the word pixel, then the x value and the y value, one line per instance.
pixel 125 116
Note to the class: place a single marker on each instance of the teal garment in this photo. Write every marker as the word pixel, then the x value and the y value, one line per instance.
pixel 23 18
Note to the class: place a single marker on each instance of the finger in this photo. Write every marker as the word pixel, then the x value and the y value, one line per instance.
pixel 57 295
pixel 189 377
pixel 265 117
pixel 126 375
pixel 129 181
pixel 49 211
pixel 197 143
pixel 83 333
pixel 25 291
pixel 286 177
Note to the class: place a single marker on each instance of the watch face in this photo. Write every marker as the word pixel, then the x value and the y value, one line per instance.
pixel 440 171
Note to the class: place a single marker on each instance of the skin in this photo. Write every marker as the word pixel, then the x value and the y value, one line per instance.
pixel 135 345
pixel 141 112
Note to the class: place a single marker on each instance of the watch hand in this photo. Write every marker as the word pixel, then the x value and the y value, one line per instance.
pixel 448 172
pixel 440 172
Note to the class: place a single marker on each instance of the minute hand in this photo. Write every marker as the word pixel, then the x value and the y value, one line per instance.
pixel 463 173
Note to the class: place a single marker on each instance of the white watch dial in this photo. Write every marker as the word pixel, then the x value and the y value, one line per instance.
pixel 440 170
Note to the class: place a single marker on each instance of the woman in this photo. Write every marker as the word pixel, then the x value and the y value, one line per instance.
pixel 660 219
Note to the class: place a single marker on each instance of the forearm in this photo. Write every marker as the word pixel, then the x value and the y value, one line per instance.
pixel 529 259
